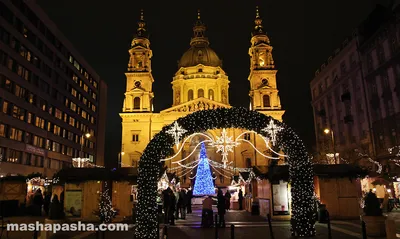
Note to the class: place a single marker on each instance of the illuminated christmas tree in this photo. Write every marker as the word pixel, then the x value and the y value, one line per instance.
pixel 204 182
pixel 106 212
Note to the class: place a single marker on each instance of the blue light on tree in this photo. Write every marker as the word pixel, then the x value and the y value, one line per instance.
pixel 204 182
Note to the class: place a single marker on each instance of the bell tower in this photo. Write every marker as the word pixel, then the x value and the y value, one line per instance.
pixel 139 80
pixel 263 88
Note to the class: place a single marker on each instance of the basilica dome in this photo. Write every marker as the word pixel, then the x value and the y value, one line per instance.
pixel 199 54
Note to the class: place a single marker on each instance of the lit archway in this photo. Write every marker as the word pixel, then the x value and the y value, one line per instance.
pixel 161 146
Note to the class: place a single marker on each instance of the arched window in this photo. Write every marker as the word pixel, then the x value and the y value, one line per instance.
pixel 200 93
pixel 190 95
pixel 211 94
pixel 136 103
pixel 266 101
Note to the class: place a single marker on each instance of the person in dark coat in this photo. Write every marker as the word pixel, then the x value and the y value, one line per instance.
pixel 38 202
pixel 46 203
pixel 240 199
pixel 228 200
pixel 166 204
pixel 182 203
pixel 221 208
pixel 172 207
pixel 189 200
pixel 56 209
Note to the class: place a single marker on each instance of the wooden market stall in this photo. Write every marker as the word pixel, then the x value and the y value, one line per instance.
pixel 336 185
pixel 80 188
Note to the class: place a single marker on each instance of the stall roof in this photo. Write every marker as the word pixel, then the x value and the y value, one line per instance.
pixel 96 174
pixel 281 172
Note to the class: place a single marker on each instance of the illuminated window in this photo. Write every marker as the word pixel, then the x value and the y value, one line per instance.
pixel 73 106
pixel 211 94
pixel 56 147
pixel 16 134
pixel 85 87
pixel 39 122
pixel 3 130
pixel 84 114
pixel 5 107
pixel 73 92
pixel 72 121
pixel 75 78
pixel 84 100
pixel 58 114
pixel 57 130
pixel 29 118
pixel 94 108
pixel 94 96
pixel 14 156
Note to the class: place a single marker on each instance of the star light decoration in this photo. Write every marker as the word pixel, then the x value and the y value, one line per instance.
pixel 224 144
pixel 272 130
pixel 176 132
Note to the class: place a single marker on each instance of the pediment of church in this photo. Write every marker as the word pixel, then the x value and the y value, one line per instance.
pixel 196 105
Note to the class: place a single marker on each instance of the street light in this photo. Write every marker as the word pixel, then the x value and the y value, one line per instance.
pixel 327 131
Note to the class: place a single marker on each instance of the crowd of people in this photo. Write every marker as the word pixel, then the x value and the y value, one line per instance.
pixel 178 202
pixel 38 203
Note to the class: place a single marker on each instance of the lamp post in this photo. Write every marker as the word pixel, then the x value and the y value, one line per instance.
pixel 330 131
pixel 120 154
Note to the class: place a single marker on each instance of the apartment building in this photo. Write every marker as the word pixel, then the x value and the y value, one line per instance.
pixel 52 103
pixel 355 94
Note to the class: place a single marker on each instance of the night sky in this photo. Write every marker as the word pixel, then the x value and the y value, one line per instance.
pixel 303 34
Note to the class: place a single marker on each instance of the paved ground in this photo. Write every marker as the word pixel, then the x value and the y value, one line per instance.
pixel 246 226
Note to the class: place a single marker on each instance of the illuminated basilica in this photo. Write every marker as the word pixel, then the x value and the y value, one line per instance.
pixel 200 83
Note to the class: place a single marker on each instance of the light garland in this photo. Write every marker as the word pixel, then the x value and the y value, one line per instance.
pixel 300 167
pixel 379 170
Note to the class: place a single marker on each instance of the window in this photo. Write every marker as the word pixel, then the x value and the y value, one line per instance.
pixel 38 141
pixel 266 101
pixel 57 130
pixel 73 92
pixel 200 93
pixel 39 122
pixel 14 156
pixel 3 130
pixel 18 113
pixel 56 147
pixel 16 134
pixel 190 95
pixel 5 107
pixel 136 103
pixel 135 137
pixel 211 94
pixel 19 91
pixel 28 138
pixel 29 118
pixel 58 114
pixel 71 121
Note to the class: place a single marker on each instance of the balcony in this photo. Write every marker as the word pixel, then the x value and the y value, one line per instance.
pixel 346 96
pixel 348 119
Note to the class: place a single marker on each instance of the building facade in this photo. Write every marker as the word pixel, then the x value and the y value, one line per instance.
pixel 380 50
pixel 200 83
pixel 53 104
pixel 354 93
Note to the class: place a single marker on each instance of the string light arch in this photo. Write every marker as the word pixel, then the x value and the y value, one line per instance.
pixel 161 147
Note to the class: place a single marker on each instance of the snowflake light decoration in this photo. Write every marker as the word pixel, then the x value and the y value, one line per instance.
pixel 176 132
pixel 224 144
pixel 272 130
